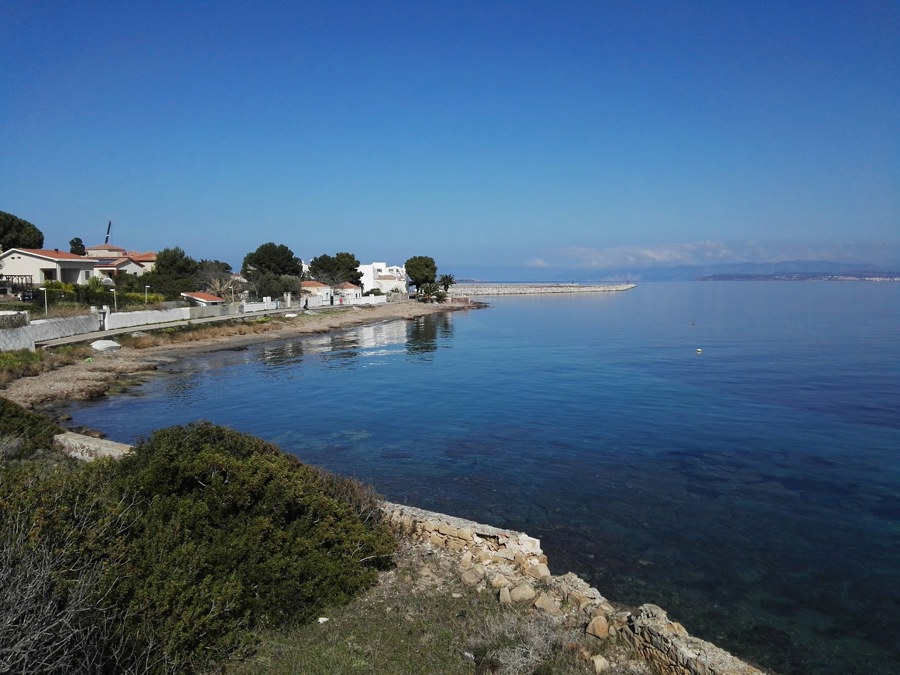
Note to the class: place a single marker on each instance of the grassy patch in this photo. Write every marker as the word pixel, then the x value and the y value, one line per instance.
pixel 25 363
pixel 421 619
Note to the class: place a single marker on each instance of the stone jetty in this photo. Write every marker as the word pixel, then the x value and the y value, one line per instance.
pixel 534 289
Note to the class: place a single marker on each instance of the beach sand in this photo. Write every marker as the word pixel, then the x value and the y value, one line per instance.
pixel 90 378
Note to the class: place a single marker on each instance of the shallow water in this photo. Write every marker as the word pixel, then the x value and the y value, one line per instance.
pixel 751 489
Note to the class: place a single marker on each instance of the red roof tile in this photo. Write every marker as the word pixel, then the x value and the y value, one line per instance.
pixel 51 253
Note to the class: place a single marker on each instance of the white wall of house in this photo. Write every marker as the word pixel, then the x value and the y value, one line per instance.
pixel 373 276
pixel 42 269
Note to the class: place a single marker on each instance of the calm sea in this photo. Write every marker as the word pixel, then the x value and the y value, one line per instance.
pixel 752 489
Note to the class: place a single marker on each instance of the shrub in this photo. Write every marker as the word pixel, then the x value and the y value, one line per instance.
pixel 30 432
pixel 179 551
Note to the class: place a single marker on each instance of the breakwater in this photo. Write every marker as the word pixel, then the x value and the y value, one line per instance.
pixel 535 289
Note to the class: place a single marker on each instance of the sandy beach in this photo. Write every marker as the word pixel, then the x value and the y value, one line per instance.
pixel 94 376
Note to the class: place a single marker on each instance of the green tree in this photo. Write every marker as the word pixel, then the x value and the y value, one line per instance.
pixel 337 269
pixel 421 270
pixel 273 258
pixel 175 273
pixel 446 281
pixel 18 233
pixel 175 262
pixel 76 246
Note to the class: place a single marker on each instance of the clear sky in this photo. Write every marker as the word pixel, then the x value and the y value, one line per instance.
pixel 519 136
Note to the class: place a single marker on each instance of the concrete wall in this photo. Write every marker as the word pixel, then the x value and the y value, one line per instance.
pixel 145 317
pixel 211 310
pixel 14 332
pixel 51 329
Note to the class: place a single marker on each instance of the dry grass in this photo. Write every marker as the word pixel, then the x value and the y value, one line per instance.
pixel 421 619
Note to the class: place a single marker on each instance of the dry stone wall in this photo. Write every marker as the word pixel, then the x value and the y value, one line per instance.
pixel 512 565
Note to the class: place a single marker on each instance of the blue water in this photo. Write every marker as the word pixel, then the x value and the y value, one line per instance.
pixel 752 489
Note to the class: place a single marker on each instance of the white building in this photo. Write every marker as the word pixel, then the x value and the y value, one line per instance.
pixel 34 266
pixel 385 278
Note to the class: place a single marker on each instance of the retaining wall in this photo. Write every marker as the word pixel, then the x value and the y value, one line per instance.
pixel 51 329
pixel 14 332
pixel 145 316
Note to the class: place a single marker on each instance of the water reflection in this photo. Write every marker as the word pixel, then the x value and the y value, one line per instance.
pixel 420 336
pixel 424 332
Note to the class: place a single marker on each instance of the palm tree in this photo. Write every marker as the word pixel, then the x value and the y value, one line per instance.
pixel 446 281
pixel 428 291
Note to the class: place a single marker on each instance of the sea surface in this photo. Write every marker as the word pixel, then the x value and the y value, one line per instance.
pixel 729 451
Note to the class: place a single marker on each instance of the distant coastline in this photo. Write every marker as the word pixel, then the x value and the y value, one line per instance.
pixel 469 289
pixel 806 276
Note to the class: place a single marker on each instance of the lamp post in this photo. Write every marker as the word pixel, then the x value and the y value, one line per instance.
pixel 42 288
pixel 115 302
pixel 146 288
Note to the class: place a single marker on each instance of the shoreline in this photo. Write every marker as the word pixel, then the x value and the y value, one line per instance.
pixel 104 371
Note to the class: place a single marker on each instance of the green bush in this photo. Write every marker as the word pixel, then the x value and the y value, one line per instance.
pixel 202 535
pixel 28 431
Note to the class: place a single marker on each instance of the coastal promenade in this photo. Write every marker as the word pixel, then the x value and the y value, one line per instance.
pixel 466 289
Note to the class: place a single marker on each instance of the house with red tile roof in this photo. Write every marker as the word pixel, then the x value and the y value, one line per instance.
pixel 113 260
pixel 33 266
pixel 204 299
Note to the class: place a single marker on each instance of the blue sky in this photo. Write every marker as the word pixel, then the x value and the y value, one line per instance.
pixel 503 139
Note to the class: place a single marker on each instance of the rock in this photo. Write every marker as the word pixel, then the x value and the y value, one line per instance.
pixel 105 345
pixel 547 604
pixel 472 577
pixel 465 533
pixel 539 571
pixel 598 627
pixel 601 665
pixel 500 581
pixel 465 562
pixel 505 597
pixel 522 593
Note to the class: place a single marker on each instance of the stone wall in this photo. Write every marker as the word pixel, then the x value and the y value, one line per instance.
pixel 512 565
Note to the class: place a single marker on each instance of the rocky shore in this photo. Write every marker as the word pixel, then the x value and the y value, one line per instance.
pixel 534 289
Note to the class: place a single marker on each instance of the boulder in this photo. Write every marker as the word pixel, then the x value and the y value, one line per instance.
pixel 105 345
pixel 598 627
pixel 522 593
pixel 548 605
